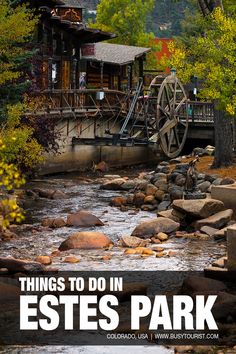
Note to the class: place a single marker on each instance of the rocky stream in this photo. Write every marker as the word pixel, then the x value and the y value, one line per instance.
pixel 76 192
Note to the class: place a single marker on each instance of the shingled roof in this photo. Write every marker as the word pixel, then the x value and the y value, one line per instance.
pixel 74 3
pixel 117 53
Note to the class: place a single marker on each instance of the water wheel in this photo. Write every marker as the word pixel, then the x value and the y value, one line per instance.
pixel 171 114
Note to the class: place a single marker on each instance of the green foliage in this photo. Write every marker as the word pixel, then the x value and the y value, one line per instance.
pixel 16 27
pixel 10 178
pixel 18 149
pixel 212 58
pixel 165 19
pixel 127 18
pixel 167 12
pixel 19 145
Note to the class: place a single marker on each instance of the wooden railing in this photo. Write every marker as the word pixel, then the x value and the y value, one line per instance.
pixel 100 101
pixel 87 100
pixel 201 112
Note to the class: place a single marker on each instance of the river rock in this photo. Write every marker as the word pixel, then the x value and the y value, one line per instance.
pixel 53 222
pixel 118 201
pixel 204 186
pixel 162 185
pixel 7 235
pixel 198 208
pixel 210 178
pixel 221 234
pixel 159 195
pixel 162 236
pixel 224 307
pixel 209 150
pixel 151 189
pixel 71 259
pixel 152 227
pixel 112 176
pixel 149 207
pixel 164 205
pixel 176 193
pixel 220 263
pixel 45 260
pixel 9 293
pixel 130 184
pixel 130 199
pixel 85 240
pixel 217 181
pixel 139 199
pixel 132 241
pixel 57 194
pixel 180 180
pixel 227 180
pixel 83 219
pixel 115 184
pixel 150 199
pixel 157 177
pixel 197 284
pixel 15 265
pixel 210 231
pixel 217 220
pixel 101 167
pixel 163 169
pixel 50 193
pixel 181 168
pixel 168 214
pixel 141 184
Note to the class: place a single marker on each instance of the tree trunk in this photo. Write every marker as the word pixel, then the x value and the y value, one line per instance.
pixel 207 6
pixel 223 140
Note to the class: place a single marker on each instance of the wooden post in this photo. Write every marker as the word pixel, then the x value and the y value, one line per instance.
pixel 141 67
pixel 50 87
pixel 74 71
pixel 101 73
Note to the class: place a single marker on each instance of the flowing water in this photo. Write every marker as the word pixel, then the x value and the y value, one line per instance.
pixel 190 254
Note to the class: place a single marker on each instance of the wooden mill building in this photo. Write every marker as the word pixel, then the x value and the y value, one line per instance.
pixel 83 81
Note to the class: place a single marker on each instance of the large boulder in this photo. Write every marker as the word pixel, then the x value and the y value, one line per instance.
pixel 85 240
pixel 115 184
pixel 83 219
pixel 198 208
pixel 15 265
pixel 196 284
pixel 217 220
pixel 152 227
pixel 9 293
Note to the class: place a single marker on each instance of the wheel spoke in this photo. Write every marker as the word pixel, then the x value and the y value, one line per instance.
pixel 172 117
pixel 176 136
pixel 171 136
